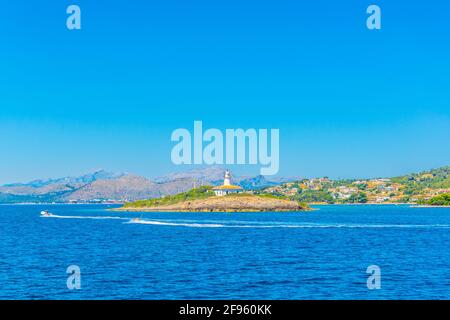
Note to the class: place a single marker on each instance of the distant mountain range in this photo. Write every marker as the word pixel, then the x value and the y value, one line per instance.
pixel 101 185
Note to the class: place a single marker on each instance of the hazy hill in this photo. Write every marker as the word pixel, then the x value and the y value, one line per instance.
pixel 49 186
pixel 207 174
pixel 214 176
pixel 126 187
pixel 101 185
pixel 257 182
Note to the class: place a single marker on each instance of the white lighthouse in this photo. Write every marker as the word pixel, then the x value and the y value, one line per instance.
pixel 227 179
pixel 227 187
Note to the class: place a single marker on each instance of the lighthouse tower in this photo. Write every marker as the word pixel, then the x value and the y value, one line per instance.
pixel 227 179
pixel 227 187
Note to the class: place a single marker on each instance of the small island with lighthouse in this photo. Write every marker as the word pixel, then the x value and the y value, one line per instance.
pixel 224 198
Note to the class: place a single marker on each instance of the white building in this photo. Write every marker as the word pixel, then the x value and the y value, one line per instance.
pixel 227 187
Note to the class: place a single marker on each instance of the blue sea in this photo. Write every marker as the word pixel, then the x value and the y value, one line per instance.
pixel 321 254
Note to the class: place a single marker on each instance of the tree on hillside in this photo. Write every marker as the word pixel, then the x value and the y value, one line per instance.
pixel 440 200
pixel 358 197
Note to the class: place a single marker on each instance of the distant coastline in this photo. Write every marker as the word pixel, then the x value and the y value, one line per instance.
pixel 312 204
pixel 102 187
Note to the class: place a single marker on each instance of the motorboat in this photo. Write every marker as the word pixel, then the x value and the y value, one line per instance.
pixel 136 219
pixel 46 214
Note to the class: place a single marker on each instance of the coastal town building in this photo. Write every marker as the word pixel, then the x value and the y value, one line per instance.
pixel 227 187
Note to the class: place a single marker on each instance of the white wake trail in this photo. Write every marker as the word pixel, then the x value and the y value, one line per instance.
pixel 279 225
pixel 85 217
pixel 193 225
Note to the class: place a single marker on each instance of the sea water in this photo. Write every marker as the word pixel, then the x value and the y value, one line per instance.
pixel 321 254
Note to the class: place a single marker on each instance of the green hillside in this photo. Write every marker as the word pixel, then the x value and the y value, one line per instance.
pixel 412 188
pixel 433 179
pixel 194 194
pixel 440 200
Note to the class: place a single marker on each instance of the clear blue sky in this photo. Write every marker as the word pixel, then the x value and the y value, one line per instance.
pixel 348 101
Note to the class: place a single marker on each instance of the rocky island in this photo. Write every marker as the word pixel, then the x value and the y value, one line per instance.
pixel 203 199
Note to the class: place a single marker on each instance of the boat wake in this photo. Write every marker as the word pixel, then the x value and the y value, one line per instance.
pixel 84 217
pixel 164 223
pixel 248 224
pixel 259 225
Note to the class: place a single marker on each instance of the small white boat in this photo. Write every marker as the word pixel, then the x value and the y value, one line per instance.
pixel 46 214
pixel 137 219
